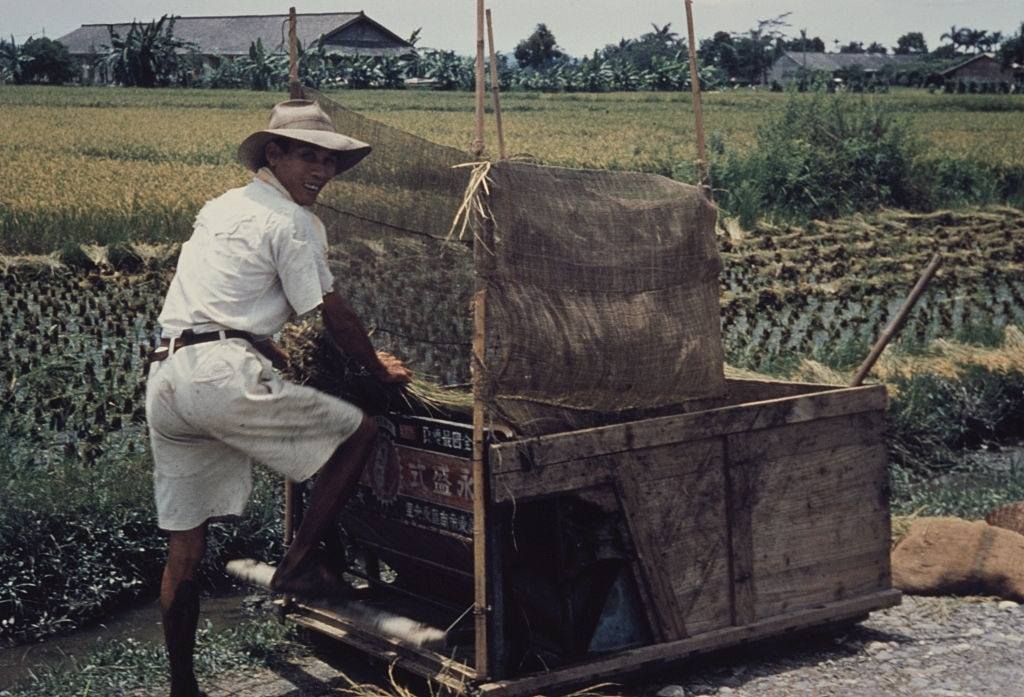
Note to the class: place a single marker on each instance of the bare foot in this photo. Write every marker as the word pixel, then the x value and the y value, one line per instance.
pixel 314 580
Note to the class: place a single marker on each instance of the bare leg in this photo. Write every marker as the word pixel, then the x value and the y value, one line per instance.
pixel 179 605
pixel 335 483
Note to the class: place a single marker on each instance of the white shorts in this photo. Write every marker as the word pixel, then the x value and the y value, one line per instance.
pixel 213 409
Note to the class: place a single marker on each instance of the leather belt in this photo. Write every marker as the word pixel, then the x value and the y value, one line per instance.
pixel 190 338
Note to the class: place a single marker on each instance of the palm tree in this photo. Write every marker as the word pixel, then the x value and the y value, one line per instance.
pixel 976 38
pixel 664 34
pixel 953 35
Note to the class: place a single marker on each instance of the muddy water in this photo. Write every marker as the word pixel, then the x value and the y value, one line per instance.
pixel 141 621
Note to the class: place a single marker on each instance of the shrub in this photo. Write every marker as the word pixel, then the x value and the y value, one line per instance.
pixel 825 156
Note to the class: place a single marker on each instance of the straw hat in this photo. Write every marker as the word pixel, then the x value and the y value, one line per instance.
pixel 302 120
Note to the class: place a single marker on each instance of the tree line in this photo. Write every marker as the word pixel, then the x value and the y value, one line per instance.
pixel 150 55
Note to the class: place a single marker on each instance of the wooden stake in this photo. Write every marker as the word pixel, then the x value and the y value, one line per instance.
pixel 702 156
pixel 495 88
pixel 294 87
pixel 898 321
pixel 478 143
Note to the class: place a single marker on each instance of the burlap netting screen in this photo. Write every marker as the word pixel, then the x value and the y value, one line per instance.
pixel 602 295
pixel 387 221
pixel 603 290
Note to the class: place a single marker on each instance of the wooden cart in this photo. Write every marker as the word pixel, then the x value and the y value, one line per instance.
pixel 615 549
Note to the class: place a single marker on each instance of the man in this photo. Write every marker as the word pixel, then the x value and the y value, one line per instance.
pixel 256 258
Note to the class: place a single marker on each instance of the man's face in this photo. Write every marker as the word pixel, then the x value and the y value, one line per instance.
pixel 302 169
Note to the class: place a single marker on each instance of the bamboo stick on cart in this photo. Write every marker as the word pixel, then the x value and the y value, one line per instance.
pixel 495 88
pixel 702 156
pixel 294 87
pixel 897 322
pixel 481 623
pixel 478 142
pixel 291 495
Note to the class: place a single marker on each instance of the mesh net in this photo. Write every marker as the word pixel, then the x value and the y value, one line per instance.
pixel 387 221
pixel 602 286
pixel 602 296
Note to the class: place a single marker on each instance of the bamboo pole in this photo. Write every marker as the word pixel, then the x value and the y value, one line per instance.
pixel 478 142
pixel 292 496
pixel 898 321
pixel 702 156
pixel 294 87
pixel 495 88
pixel 481 622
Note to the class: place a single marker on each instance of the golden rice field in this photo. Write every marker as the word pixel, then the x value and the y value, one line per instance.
pixel 104 164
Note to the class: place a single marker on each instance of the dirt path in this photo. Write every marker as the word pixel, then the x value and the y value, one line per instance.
pixel 927 647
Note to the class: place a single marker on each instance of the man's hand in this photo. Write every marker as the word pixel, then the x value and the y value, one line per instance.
pixel 350 336
pixel 394 371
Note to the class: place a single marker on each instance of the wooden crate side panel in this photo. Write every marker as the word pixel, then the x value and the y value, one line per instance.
pixel 556 451
pixel 799 588
pixel 810 517
pixel 685 514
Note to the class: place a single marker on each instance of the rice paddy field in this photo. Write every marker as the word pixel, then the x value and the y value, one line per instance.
pixel 99 185
pixel 104 164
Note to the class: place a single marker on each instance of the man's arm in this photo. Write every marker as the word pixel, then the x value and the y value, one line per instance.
pixel 350 336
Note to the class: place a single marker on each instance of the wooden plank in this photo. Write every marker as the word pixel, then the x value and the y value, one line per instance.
pixel 805 498
pixel 381 650
pixel 659 601
pixel 547 481
pixel 545 451
pixel 800 587
pixel 804 438
pixel 682 495
pixel 741 491
pixel 741 391
pixel 657 655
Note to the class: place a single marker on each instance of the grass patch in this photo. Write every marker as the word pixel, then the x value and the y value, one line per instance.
pixel 129 666
pixel 78 537
pixel 971 493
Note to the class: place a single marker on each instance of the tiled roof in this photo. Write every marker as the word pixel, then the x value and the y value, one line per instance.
pixel 229 36
pixel 831 62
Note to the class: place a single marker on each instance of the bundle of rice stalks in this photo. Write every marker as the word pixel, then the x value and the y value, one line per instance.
pixel 315 360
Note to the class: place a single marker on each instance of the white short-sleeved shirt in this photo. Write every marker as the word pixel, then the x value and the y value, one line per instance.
pixel 255 260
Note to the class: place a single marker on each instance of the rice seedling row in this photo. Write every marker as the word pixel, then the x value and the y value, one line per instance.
pixel 73 342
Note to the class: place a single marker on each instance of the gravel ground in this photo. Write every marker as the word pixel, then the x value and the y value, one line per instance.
pixel 927 647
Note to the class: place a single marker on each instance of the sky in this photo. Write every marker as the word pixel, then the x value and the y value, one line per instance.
pixel 580 26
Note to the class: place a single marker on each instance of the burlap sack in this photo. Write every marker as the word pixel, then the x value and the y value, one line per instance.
pixel 950 556
pixel 1010 517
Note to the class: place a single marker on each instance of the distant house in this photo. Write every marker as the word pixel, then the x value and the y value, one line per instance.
pixel 792 64
pixel 983 67
pixel 345 33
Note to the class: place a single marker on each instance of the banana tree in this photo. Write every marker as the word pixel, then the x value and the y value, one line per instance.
pixel 147 55
pixel 262 68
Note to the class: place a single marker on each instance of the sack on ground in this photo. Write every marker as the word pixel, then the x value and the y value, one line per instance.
pixel 951 556
pixel 1010 517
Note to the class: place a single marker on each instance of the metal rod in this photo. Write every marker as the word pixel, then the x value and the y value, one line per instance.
pixel 897 322
pixel 478 142
pixel 495 88
pixel 702 156
pixel 294 87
